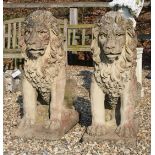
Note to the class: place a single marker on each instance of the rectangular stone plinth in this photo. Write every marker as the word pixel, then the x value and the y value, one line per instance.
pixel 42 131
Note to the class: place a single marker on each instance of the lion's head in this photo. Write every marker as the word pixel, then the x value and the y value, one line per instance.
pixel 40 29
pixel 112 34
pixel 114 51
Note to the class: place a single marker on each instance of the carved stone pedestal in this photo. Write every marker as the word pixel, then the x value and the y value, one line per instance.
pixel 45 129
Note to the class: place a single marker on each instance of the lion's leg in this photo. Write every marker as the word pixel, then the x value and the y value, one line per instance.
pixel 98 110
pixel 29 99
pixel 60 89
pixel 57 100
pixel 127 125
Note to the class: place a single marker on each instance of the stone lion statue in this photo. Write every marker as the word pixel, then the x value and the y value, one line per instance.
pixel 114 79
pixel 44 70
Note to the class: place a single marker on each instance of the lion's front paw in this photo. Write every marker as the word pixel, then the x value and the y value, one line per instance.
pixel 96 130
pixel 126 130
pixel 26 123
pixel 53 124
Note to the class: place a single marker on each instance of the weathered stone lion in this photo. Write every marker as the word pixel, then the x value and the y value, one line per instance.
pixel 45 75
pixel 114 79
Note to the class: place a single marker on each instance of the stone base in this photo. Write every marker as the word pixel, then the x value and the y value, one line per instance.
pixel 112 136
pixel 41 131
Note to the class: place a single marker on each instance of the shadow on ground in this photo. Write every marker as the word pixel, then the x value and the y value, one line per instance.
pixel 86 77
pixel 83 107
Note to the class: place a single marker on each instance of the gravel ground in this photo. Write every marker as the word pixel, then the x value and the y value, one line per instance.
pixel 71 143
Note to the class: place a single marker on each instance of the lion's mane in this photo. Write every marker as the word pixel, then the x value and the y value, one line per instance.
pixel 41 71
pixel 111 77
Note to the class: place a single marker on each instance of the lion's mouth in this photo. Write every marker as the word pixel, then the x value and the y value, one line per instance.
pixel 36 51
pixel 112 55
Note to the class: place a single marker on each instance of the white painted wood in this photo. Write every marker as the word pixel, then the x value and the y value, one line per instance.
pixel 73 19
pixel 139 68
pixel 73 16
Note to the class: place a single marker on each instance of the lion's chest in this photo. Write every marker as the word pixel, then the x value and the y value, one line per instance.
pixel 111 83
pixel 41 78
pixel 40 81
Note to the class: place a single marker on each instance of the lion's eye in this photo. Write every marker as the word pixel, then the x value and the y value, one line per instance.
pixel 42 32
pixel 103 35
pixel 27 32
pixel 120 34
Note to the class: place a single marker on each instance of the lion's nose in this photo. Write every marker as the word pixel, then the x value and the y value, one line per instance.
pixel 32 39
pixel 110 44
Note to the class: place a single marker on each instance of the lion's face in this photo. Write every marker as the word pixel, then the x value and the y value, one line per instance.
pixel 112 34
pixel 37 38
pixel 112 41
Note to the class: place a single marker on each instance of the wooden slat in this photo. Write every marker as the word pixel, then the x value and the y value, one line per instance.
pixel 56 5
pixel 69 37
pixel 81 26
pixel 19 33
pixel 15 20
pixel 14 54
pixel 62 5
pixel 86 37
pixel 11 50
pixel 74 38
pixel 83 36
pixel 78 48
pixel 9 35
pixel 19 29
pixel 14 36
pixel 4 36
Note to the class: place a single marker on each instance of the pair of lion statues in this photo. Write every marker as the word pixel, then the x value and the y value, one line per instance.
pixel 114 54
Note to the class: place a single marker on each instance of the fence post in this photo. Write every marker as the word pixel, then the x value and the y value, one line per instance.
pixel 74 20
pixel 65 37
